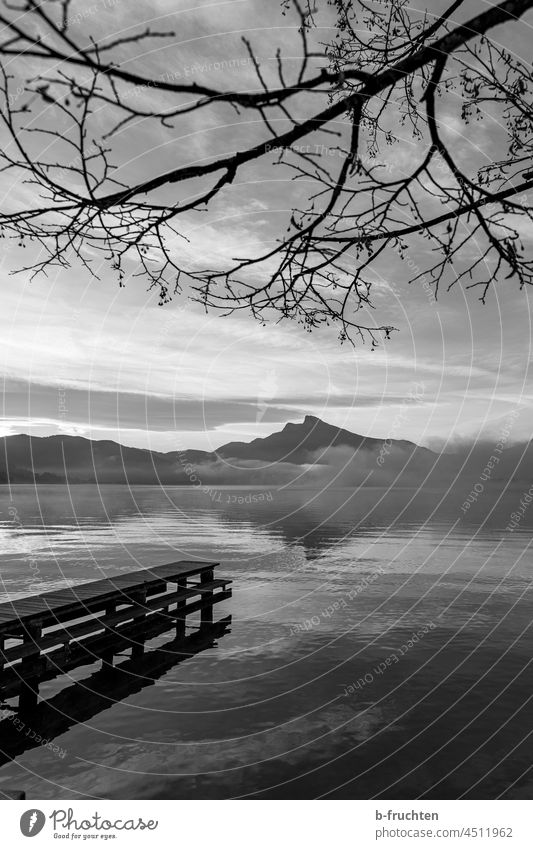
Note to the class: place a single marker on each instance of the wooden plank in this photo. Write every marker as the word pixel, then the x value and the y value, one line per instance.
pixel 120 580
pixel 61 636
pixel 95 592
pixel 58 662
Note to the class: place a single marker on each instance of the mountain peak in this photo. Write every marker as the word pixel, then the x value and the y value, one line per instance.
pixel 309 423
pixel 298 442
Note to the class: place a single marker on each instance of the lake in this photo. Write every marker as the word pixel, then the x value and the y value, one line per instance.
pixel 380 644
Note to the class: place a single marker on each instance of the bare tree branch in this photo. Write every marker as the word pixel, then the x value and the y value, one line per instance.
pixel 386 82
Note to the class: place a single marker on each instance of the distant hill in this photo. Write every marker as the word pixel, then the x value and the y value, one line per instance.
pixel 74 459
pixel 58 459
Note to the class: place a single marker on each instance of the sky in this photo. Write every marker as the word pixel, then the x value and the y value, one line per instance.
pixel 83 356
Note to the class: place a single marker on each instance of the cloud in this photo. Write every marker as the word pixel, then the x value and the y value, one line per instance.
pixel 33 402
pixel 337 466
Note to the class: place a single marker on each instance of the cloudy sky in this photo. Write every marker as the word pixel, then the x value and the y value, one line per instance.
pixel 80 355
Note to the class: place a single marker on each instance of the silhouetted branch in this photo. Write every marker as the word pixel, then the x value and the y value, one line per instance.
pixel 375 89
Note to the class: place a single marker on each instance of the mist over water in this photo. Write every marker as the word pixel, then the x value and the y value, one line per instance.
pixel 380 642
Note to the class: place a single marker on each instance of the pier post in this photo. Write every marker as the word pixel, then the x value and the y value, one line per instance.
pixel 107 655
pixel 165 609
pixel 29 694
pixel 180 614
pixel 206 615
pixel 137 649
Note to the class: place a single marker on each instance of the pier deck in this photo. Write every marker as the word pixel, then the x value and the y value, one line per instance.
pixel 46 635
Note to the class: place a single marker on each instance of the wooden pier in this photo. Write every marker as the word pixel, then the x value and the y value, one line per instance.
pixel 47 635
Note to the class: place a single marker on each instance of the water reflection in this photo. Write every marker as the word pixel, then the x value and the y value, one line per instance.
pixel 262 712
pixel 34 726
pixel 55 536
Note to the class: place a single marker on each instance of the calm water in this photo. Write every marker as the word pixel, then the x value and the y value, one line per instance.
pixel 316 691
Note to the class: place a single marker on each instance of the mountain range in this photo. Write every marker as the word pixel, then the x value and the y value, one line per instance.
pixel 75 459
